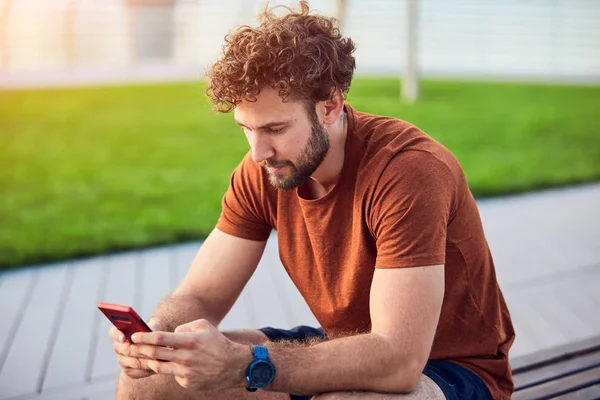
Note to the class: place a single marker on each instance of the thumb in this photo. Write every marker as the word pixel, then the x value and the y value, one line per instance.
pixel 194 326
pixel 156 324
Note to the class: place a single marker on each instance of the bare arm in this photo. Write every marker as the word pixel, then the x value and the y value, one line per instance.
pixel 405 309
pixel 222 267
pixel 219 272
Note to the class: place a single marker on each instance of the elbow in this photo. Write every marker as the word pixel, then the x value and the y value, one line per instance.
pixel 410 381
pixel 404 378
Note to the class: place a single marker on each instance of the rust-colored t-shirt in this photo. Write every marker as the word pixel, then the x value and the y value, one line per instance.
pixel 401 201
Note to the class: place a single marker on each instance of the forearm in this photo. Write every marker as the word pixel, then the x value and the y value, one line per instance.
pixel 365 363
pixel 179 308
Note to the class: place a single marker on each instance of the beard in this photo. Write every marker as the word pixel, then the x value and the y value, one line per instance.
pixel 309 160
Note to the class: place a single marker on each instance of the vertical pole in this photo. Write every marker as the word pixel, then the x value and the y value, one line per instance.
pixel 410 85
pixel 4 47
pixel 70 38
pixel 341 12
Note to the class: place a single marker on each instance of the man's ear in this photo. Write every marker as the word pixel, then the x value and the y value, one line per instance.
pixel 333 107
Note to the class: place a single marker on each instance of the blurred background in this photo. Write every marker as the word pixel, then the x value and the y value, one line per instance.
pixel 109 147
pixel 125 152
pixel 535 40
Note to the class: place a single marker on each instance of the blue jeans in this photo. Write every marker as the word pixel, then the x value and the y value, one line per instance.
pixel 455 381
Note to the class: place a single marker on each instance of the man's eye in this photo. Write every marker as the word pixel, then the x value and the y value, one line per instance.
pixel 275 131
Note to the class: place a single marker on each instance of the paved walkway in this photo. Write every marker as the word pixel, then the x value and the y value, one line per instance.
pixel 53 342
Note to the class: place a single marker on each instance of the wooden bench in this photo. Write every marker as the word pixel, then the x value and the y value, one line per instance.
pixel 566 372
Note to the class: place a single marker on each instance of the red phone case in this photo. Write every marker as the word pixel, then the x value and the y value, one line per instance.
pixel 124 318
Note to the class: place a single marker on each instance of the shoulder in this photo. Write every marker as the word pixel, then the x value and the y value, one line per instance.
pixel 414 176
pixel 391 150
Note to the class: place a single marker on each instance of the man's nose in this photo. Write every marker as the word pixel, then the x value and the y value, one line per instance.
pixel 261 149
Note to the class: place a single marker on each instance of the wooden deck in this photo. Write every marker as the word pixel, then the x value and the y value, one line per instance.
pixel 571 371
pixel 54 343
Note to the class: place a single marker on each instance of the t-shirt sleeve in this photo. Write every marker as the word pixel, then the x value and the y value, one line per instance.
pixel 244 205
pixel 412 202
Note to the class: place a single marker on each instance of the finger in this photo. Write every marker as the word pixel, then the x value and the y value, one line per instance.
pixel 137 373
pixel 124 349
pixel 116 335
pixel 194 326
pixel 129 362
pixel 160 353
pixel 156 324
pixel 166 368
pixel 167 339
pixel 121 348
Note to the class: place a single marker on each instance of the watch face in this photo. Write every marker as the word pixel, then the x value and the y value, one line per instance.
pixel 261 374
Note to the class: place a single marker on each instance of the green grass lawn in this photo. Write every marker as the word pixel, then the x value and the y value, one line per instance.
pixel 88 171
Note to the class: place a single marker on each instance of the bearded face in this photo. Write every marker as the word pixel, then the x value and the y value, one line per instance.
pixel 287 174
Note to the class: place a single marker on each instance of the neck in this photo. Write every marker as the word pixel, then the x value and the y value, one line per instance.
pixel 328 173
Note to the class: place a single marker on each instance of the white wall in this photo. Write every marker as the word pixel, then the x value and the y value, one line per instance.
pixel 537 39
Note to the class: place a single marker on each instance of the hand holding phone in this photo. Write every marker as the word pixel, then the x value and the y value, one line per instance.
pixel 126 322
pixel 124 318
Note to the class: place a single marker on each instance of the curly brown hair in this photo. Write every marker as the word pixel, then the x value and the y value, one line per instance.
pixel 303 56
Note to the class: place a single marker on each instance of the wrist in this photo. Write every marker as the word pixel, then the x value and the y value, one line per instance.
pixel 242 356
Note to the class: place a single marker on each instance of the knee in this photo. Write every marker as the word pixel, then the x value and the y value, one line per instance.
pixel 129 388
pixel 151 388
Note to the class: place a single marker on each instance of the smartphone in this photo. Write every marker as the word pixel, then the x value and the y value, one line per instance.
pixel 124 318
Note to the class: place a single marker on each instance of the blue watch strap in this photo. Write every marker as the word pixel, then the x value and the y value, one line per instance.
pixel 260 352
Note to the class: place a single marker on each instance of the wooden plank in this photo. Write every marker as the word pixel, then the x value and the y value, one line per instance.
pixel 554 354
pixel 583 300
pixel 588 393
pixel 556 310
pixel 299 312
pixel 561 386
pixel 563 229
pixel 99 394
pixel 241 315
pixel 518 254
pixel 542 331
pixel 34 333
pixel 122 287
pixel 76 329
pixel 57 324
pixel 100 389
pixel 155 279
pixel 556 369
pixel 524 344
pixel 278 281
pixel 264 298
pixel 16 295
pixel 579 224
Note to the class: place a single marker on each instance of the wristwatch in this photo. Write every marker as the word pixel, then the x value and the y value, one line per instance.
pixel 261 371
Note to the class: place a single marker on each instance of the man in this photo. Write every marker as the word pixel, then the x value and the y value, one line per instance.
pixel 376 227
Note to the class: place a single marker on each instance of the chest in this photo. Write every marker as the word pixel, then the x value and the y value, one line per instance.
pixel 330 255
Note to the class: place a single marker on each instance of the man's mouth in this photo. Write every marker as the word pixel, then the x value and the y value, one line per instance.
pixel 275 169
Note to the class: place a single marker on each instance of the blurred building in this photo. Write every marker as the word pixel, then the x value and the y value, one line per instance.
pixel 545 40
